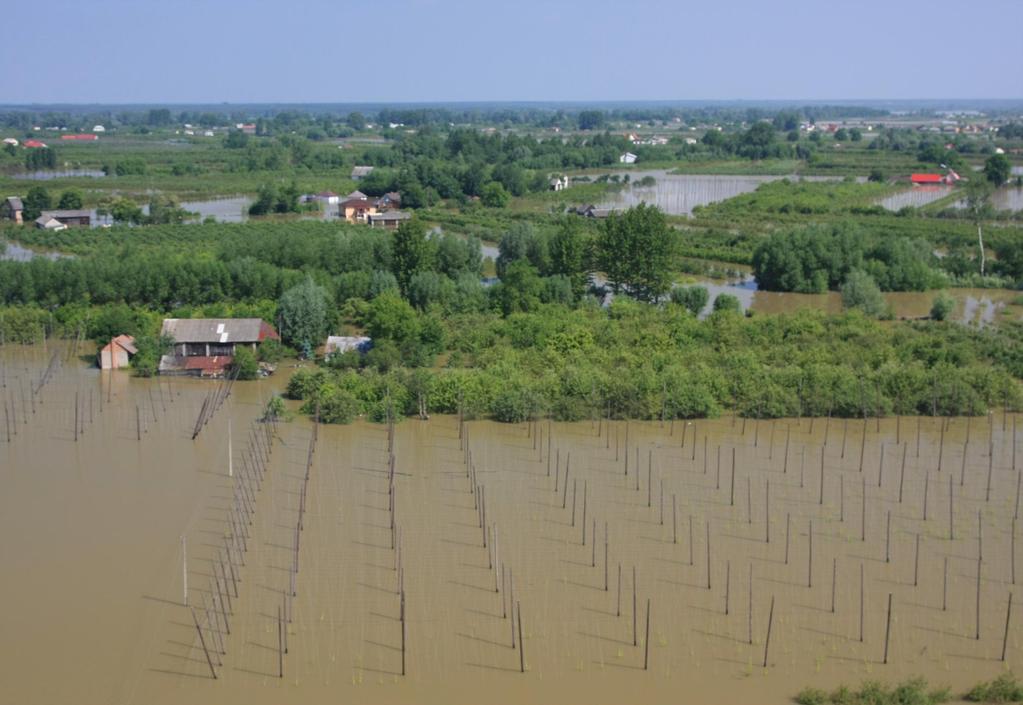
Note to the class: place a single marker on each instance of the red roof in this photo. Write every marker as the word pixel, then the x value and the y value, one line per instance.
pixel 88 138
pixel 926 178
pixel 33 143
pixel 267 331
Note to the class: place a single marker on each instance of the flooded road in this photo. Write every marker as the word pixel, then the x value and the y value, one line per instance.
pixel 91 541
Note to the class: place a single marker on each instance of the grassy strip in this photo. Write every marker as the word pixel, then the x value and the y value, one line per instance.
pixel 1003 689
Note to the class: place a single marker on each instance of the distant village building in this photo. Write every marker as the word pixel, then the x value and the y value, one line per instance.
pixel 361 172
pixel 391 199
pixel 357 210
pixel 47 222
pixel 11 141
pixel 80 138
pixel 356 195
pixel 34 144
pixel 68 218
pixel 558 183
pixel 340 344
pixel 98 128
pixel 12 209
pixel 627 158
pixel 206 346
pixel 389 220
pixel 328 197
pixel 247 128
pixel 117 353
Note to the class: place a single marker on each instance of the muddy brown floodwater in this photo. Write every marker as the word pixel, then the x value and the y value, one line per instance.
pixel 90 542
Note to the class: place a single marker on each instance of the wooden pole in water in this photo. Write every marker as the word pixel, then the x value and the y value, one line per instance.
pixel 980 563
pixel 593 546
pixel 618 609
pixel 728 584
pixel 646 641
pixel 944 586
pixel 403 639
pixel 585 494
pixel 990 470
pixel 888 628
pixel 522 651
pixel 280 644
pixel 841 498
pixel 809 559
pixel 634 642
pixel 749 612
pixel 202 641
pixel 788 532
pixel 184 572
pixel 138 424
pixel 690 539
pixel 863 512
pixel 1012 551
pixel 662 500
pixel 708 554
pixel 605 556
pixel 820 500
pixel 888 537
pixel 861 602
pixel 575 483
pixel 731 491
pixel 1005 636
pixel 834 577
pixel 951 523
pixel 770 622
pixel 767 512
pixel 76 418
pixel 674 520
pixel 511 602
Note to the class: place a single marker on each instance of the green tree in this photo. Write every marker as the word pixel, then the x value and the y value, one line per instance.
pixel 860 291
pixel 356 121
pixel 303 313
pixel 125 210
pixel 693 298
pixel 591 119
pixel 997 169
pixel 412 252
pixel 520 288
pixel 244 364
pixel 494 195
pixel 943 306
pixel 727 302
pixel 567 253
pixel 70 200
pixel 636 250
pixel 36 201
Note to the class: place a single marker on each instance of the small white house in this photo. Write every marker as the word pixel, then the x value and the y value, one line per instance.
pixel 627 158
pixel 11 141
pixel 328 197
pixel 558 183
pixel 361 172
pixel 98 128
pixel 690 141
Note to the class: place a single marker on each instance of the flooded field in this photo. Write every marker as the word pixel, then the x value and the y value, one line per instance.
pixel 721 520
pixel 915 196
pixel 973 306
pixel 678 194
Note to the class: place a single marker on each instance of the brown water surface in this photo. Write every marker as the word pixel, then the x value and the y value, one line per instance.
pixel 91 546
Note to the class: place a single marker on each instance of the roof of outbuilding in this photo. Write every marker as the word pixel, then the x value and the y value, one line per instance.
pixel 15 203
pixel 217 330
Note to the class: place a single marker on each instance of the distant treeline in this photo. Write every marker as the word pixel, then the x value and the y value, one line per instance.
pixel 537 115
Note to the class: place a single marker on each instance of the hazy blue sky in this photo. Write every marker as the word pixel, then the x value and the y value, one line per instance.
pixel 441 50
